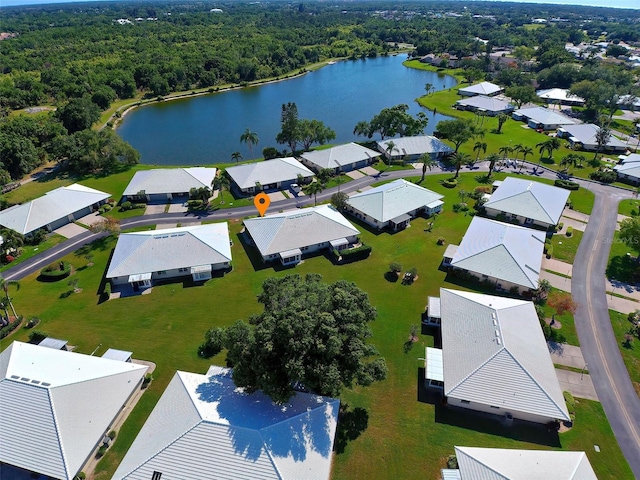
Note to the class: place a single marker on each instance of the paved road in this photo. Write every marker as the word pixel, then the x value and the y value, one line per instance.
pixel 598 343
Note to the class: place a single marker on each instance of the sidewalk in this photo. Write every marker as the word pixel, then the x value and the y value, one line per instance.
pixel 556 281
pixel 581 217
pixel 557 266
pixel 579 384
pixel 567 355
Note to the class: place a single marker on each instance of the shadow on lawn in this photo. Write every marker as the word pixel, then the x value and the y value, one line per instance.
pixel 623 268
pixel 351 424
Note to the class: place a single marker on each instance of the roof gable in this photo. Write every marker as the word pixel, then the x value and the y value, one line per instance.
pixel 482 88
pixel 535 200
pixel 340 155
pixel 267 172
pixel 494 353
pixel 171 248
pixel 387 201
pixel 170 180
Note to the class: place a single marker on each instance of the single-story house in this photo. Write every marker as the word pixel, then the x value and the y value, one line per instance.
pixel 57 406
pixel 411 149
pixel 483 88
pixel 342 158
pixel 204 427
pixel 495 359
pixel 629 168
pixel 433 315
pixel 286 236
pixel 482 103
pixel 143 257
pixel 167 184
pixel 394 204
pixel 541 118
pixel 527 202
pixel 54 209
pixel 629 102
pixel 476 463
pixel 507 256
pixel 274 174
pixel 584 137
pixel 560 96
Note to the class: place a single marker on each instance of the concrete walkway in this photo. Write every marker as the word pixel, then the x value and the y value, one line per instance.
pixel 581 217
pixel 556 281
pixel 70 230
pixel 573 223
pixel 567 355
pixel 557 266
pixel 579 384
pixel 622 305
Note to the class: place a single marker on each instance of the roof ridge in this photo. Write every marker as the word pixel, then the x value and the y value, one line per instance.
pixel 488 467
pixel 540 203
pixel 577 465
pixel 146 239
pixel 522 269
pixel 271 459
pixel 186 170
pixel 59 437
pixel 203 242
pixel 491 357
pixel 53 387
pixel 515 359
pixel 482 252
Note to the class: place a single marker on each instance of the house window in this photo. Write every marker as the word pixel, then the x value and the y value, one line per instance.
pixel 466 402
pixel 156 476
pixel 162 272
pixel 182 270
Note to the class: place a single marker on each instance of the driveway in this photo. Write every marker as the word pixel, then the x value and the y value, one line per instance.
pixel 276 196
pixel 178 208
pixel 567 355
pixel 91 219
pixel 355 174
pixel 70 230
pixel 154 209
pixel 369 171
pixel 579 384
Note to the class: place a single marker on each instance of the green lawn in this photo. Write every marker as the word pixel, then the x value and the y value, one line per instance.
pixel 567 332
pixel 630 208
pixel 630 355
pixel 405 437
pixel 565 248
pixel 28 251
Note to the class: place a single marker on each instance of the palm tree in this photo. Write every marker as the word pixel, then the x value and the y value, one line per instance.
pixel 221 182
pixel 237 156
pixel 458 160
pixel 493 159
pixel 568 160
pixel 4 285
pixel 505 151
pixel 526 151
pixel 480 146
pixel 391 147
pixel 314 188
pixel 517 148
pixel 544 287
pixel 428 87
pixel 250 138
pixel 427 162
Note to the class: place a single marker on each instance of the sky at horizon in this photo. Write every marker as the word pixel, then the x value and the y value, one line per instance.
pixel 632 4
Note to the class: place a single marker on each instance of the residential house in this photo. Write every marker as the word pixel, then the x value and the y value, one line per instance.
pixel 504 255
pixel 54 209
pixel 286 236
pixel 494 359
pixel 140 258
pixel 204 427
pixel 167 184
pixel 488 105
pixel 274 174
pixel 411 149
pixel 628 169
pixel 560 96
pixel 394 204
pixel 527 202
pixel 541 118
pixel 584 137
pixel 629 102
pixel 57 407
pixel 476 463
pixel 341 158
pixel 483 88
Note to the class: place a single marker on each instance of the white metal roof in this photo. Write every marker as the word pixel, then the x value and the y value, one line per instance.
pixel 52 206
pixel 503 251
pixel 392 199
pixel 434 370
pixel 525 198
pixel 56 406
pixel 433 307
pixel 54 343
pixel 477 463
pixel 205 427
pixel 170 180
pixel 171 248
pixel 415 145
pixel 632 169
pixel 339 155
pixel 300 228
pixel 490 104
pixel 559 95
pixel 267 172
pixel 482 88
pixel 585 133
pixel 494 353
pixel 544 116
pixel 115 354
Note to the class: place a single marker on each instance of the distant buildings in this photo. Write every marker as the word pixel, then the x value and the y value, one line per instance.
pixel 560 96
pixel 410 149
pixel 167 184
pixel 482 103
pixel 541 118
pixel 585 137
pixel 483 88
pixel 341 158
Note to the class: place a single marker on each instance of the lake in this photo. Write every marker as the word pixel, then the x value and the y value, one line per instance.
pixel 206 129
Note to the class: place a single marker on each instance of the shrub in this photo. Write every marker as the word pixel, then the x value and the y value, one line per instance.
pixel 112 434
pixel 9 258
pixel 195 204
pixel 460 207
pixel 566 184
pixel 482 189
pixel 395 267
pixel 101 451
pixel 560 226
pixel 549 251
pixel 569 232
pixel 125 206
pixel 214 340
pixel 452 462
pixel 514 290
pixel 451 183
pixel 358 253
pixel 80 476
pixel 440 241
pixel 32 322
pixel 36 336
pixel 571 404
pixel 7 329
pixel 501 217
pixel 604 176
pixel 36 237
pixel 147 380
pixel 107 290
pixel 56 271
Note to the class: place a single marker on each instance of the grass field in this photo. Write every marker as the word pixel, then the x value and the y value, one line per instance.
pixel 631 354
pixel 406 435
pixel 565 248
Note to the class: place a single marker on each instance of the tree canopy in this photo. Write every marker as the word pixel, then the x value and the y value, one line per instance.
pixel 310 332
pixel 393 121
pixel 458 131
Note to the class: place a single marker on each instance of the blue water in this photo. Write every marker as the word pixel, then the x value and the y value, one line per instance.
pixel 207 129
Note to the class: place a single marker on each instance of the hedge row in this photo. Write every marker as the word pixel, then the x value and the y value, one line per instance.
pixel 353 254
pixel 6 330
pixel 566 184
pixel 56 271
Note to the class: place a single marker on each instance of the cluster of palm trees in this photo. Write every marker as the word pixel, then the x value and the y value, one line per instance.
pixel 548 146
pixel 6 300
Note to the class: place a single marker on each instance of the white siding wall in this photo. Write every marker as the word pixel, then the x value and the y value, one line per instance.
pixel 479 407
